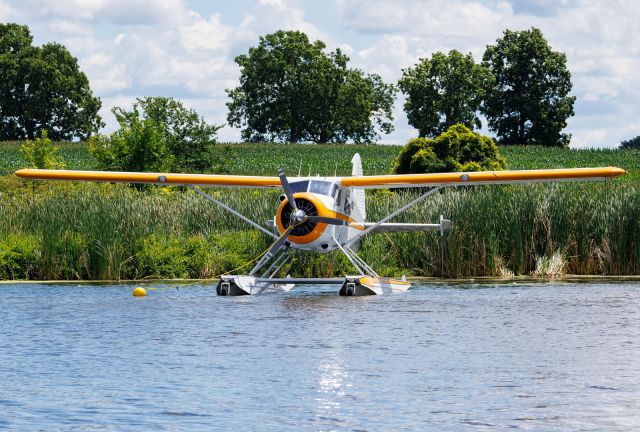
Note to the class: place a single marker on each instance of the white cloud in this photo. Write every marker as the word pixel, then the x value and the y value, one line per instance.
pixel 117 12
pixel 600 39
pixel 132 48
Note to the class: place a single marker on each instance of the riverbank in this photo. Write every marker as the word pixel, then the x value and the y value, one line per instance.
pixel 76 231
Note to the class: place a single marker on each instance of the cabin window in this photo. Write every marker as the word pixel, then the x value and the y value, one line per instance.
pixel 299 186
pixel 323 187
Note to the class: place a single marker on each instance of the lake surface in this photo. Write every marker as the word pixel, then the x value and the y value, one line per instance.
pixel 439 357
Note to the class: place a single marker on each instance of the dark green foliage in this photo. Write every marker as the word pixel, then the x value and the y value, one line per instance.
pixel 457 149
pixel 442 91
pixel 633 143
pixel 528 100
pixel 158 134
pixel 43 88
pixel 291 90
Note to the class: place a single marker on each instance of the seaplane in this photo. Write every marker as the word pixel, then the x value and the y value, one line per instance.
pixel 323 214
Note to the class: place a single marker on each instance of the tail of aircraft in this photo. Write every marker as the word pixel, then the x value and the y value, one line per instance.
pixel 359 205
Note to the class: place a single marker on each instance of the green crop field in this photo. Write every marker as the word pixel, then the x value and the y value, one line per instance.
pixel 63 230
pixel 265 159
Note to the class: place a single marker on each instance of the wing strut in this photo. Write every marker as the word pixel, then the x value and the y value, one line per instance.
pixel 395 213
pixel 235 213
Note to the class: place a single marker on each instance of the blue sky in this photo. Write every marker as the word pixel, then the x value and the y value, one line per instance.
pixel 185 49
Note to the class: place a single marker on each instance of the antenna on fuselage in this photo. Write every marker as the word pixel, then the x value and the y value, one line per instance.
pixel 300 168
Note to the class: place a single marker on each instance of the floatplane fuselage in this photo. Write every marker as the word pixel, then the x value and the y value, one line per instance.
pixel 323 214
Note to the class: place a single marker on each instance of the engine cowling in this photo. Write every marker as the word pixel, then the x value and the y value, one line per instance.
pixel 308 231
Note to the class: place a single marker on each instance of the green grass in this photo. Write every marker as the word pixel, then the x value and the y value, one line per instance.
pixel 100 231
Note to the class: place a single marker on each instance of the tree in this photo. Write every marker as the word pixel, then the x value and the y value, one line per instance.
pixel 528 102
pixel 158 134
pixel 291 90
pixel 458 149
pixel 43 88
pixel 632 143
pixel 442 91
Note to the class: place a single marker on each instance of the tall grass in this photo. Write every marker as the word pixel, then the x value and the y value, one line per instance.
pixel 114 231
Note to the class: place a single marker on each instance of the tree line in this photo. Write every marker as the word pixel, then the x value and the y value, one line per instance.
pixel 292 89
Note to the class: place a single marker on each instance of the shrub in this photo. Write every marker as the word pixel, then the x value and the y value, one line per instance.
pixel 157 134
pixel 457 149
pixel 162 257
pixel 19 257
pixel 137 146
pixel 41 153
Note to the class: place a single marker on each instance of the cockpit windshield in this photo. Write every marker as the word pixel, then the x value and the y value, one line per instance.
pixel 299 186
pixel 323 187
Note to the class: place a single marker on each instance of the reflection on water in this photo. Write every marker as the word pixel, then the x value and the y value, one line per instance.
pixel 331 388
pixel 458 357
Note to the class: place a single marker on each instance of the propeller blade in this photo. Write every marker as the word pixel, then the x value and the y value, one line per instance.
pixel 287 189
pixel 328 220
pixel 275 247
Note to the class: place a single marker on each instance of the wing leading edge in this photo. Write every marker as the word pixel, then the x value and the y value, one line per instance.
pixel 152 178
pixel 481 177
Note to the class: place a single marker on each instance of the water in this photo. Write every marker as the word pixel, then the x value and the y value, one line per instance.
pixel 439 357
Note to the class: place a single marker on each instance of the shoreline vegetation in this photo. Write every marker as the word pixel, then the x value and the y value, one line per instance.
pixel 77 231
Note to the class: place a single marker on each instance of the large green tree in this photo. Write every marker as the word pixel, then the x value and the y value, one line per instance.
pixel 43 88
pixel 292 90
pixel 442 91
pixel 528 102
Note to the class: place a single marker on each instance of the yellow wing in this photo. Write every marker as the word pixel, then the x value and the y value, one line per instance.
pixel 482 177
pixel 154 178
pixel 379 181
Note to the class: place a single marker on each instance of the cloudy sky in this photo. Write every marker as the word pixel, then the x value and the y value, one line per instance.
pixel 185 48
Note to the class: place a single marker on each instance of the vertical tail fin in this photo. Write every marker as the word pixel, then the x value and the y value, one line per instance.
pixel 358 194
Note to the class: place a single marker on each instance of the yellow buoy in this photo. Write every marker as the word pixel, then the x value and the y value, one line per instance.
pixel 139 292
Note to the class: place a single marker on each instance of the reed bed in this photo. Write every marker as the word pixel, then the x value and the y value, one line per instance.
pixel 90 231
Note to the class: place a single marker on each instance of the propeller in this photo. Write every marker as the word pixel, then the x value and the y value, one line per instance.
pixel 287 190
pixel 328 220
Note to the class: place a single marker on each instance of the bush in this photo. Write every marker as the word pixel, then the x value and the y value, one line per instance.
pixel 19 257
pixel 162 257
pixel 631 143
pixel 41 153
pixel 158 134
pixel 137 146
pixel 173 256
pixel 456 150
